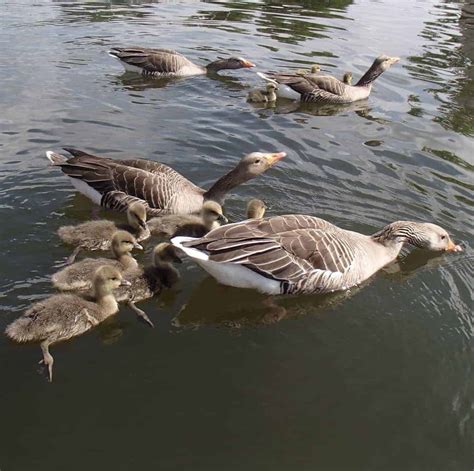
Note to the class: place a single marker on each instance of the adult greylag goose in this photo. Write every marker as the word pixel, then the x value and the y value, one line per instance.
pixel 79 275
pixel 256 209
pixel 263 96
pixel 303 254
pixel 115 184
pixel 63 316
pixel 168 63
pixel 149 281
pixel 315 88
pixel 97 235
pixel 192 225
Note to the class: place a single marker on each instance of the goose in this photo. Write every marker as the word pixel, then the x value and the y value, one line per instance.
pixel 150 281
pixel 97 235
pixel 115 184
pixel 192 225
pixel 78 276
pixel 168 63
pixel 256 209
pixel 263 96
pixel 63 316
pixel 295 254
pixel 325 88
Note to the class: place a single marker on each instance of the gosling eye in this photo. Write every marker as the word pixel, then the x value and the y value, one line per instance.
pixel 257 161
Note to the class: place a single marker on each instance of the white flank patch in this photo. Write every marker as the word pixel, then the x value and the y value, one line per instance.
pixel 231 274
pixel 86 190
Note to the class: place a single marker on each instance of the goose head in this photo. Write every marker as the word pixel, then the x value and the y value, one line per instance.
pixel 136 216
pixel 230 63
pixel 256 209
pixel 432 237
pixel 384 62
pixel 212 215
pixel 123 243
pixel 108 278
pixel 255 163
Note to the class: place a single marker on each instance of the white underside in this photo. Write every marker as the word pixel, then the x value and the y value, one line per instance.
pixel 86 190
pixel 231 274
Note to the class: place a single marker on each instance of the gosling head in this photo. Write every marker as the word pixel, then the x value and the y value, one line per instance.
pixel 123 243
pixel 165 253
pixel 315 68
pixel 271 87
pixel 384 62
pixel 108 278
pixel 136 215
pixel 212 215
pixel 256 209
pixel 431 237
pixel 347 78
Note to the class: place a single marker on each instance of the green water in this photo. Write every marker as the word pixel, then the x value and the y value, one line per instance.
pixel 379 378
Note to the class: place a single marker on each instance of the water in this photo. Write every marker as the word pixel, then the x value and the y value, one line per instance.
pixel 379 378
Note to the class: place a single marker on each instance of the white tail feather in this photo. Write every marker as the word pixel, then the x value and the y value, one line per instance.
pixel 268 79
pixel 193 253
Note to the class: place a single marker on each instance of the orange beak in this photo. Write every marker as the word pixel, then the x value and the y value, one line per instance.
pixel 275 157
pixel 452 247
pixel 247 64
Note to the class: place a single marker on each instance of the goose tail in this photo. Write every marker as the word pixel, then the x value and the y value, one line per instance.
pixel 267 78
pixel 189 251
pixel 55 158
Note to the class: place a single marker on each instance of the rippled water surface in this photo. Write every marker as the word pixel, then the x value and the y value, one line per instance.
pixel 379 378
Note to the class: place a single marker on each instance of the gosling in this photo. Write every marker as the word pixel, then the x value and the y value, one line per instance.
pixel 256 209
pixel 347 78
pixel 149 281
pixel 63 316
pixel 79 275
pixel 263 96
pixel 97 235
pixel 191 225
pixel 315 68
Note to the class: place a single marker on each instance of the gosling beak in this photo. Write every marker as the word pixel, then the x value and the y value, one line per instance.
pixel 394 60
pixel 452 247
pixel 222 219
pixel 142 224
pixel 176 259
pixel 247 64
pixel 125 283
pixel 275 157
pixel 138 246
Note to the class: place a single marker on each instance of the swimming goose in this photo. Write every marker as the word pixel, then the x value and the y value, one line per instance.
pixel 97 235
pixel 192 225
pixel 304 254
pixel 115 184
pixel 169 63
pixel 316 88
pixel 79 275
pixel 150 281
pixel 263 96
pixel 256 209
pixel 63 316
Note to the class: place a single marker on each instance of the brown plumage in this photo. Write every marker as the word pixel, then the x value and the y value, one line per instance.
pixel 63 316
pixel 97 235
pixel 79 275
pixel 116 184
pixel 304 254
pixel 168 63
pixel 192 225
pixel 318 88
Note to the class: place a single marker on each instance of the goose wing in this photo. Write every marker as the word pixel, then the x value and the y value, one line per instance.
pixel 159 61
pixel 122 182
pixel 283 247
pixel 314 87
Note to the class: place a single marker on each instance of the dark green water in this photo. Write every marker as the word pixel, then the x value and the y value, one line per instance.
pixel 380 378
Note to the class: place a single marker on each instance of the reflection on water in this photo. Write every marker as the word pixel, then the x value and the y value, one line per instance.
pixel 382 372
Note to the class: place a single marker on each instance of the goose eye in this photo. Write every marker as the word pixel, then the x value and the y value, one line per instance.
pixel 443 237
